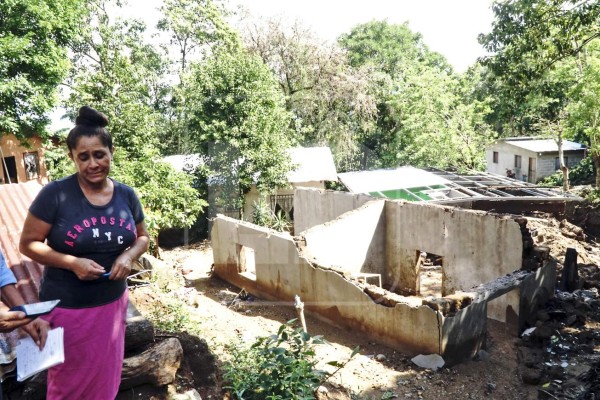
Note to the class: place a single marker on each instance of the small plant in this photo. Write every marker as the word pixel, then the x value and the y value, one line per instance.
pixel 264 216
pixel 278 367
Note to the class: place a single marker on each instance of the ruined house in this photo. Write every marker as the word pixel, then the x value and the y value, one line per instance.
pixel 357 262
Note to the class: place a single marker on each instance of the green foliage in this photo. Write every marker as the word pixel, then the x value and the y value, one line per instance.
pixel 427 116
pixel 278 367
pixel 592 195
pixel 34 36
pixel 263 215
pixel 583 173
pixel 120 75
pixel 237 121
pixel 168 197
pixel 330 102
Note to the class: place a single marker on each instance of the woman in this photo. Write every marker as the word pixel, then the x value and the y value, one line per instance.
pixel 87 229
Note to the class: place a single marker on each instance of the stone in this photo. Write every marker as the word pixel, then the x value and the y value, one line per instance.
pixel 430 361
pixel 530 376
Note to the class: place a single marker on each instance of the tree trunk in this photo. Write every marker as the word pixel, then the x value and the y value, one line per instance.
pixel 596 158
pixel 156 366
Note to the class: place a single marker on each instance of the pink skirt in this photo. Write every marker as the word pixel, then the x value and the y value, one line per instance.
pixel 94 348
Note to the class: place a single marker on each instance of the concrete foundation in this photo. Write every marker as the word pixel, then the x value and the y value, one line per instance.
pixel 326 265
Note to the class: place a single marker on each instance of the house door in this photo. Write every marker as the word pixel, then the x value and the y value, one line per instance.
pixel 531 171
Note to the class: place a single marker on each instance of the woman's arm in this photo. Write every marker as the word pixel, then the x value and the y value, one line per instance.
pixel 33 244
pixel 122 265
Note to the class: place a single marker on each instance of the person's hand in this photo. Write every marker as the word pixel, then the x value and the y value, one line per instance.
pixel 121 267
pixel 38 330
pixel 10 320
pixel 86 269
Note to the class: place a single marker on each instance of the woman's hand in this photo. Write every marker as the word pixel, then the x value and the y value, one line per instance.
pixel 86 269
pixel 121 267
pixel 38 330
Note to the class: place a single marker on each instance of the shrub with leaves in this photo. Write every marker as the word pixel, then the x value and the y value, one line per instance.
pixel 264 216
pixel 278 367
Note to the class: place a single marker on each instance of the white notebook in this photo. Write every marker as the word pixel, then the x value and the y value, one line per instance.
pixel 30 360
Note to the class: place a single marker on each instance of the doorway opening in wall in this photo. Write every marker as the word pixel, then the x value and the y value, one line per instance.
pixel 247 265
pixel 430 272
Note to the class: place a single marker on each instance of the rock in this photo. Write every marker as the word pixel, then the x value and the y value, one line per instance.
pixel 530 376
pixel 189 395
pixel 380 357
pixel 482 355
pixel 430 361
pixel 543 332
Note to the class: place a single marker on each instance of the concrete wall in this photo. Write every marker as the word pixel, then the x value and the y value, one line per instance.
pixel 476 247
pixel 506 159
pixel 405 323
pixel 547 162
pixel 354 241
pixel 253 196
pixel 281 273
pixel 314 207
pixel 11 147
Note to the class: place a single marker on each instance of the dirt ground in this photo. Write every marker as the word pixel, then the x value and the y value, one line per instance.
pixel 558 359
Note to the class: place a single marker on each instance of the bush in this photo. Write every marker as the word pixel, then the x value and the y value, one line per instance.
pixel 278 367
pixel 264 216
pixel 583 173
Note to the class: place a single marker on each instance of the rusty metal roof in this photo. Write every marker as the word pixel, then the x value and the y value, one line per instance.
pixel 14 202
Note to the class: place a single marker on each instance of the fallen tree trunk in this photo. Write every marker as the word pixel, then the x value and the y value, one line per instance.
pixel 139 331
pixel 156 366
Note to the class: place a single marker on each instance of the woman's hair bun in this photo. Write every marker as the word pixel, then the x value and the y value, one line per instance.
pixel 91 117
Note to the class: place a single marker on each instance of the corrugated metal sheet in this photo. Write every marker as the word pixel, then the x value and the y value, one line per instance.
pixel 544 145
pixel 14 202
pixel 313 164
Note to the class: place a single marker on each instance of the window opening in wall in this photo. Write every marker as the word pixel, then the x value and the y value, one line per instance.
pixel 9 167
pixel 517 161
pixel 32 165
pixel 247 266
pixel 495 157
pixel 283 203
pixel 430 274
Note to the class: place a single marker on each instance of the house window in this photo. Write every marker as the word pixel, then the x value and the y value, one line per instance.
pixel 495 157
pixel 517 161
pixel 32 165
pixel 557 162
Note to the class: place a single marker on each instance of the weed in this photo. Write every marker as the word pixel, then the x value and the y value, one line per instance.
pixel 277 367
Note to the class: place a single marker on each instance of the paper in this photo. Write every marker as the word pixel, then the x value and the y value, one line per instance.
pixel 30 360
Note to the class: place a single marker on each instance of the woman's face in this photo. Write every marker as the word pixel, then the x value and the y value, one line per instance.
pixel 92 159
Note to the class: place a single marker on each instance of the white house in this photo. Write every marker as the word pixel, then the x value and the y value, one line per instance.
pixel 531 159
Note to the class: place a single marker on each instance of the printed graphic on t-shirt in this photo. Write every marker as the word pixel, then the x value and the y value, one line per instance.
pixel 105 231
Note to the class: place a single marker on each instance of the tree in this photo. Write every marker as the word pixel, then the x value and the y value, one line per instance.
pixel 330 102
pixel 426 115
pixel 534 43
pixel 195 27
pixel 238 122
pixel 584 109
pixel 34 35
pixel 119 74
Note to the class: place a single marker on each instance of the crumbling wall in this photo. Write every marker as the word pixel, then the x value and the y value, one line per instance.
pixel 281 273
pixel 355 241
pixel 476 247
pixel 453 326
pixel 313 207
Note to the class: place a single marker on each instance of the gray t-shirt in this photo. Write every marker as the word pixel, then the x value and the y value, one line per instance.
pixel 79 228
